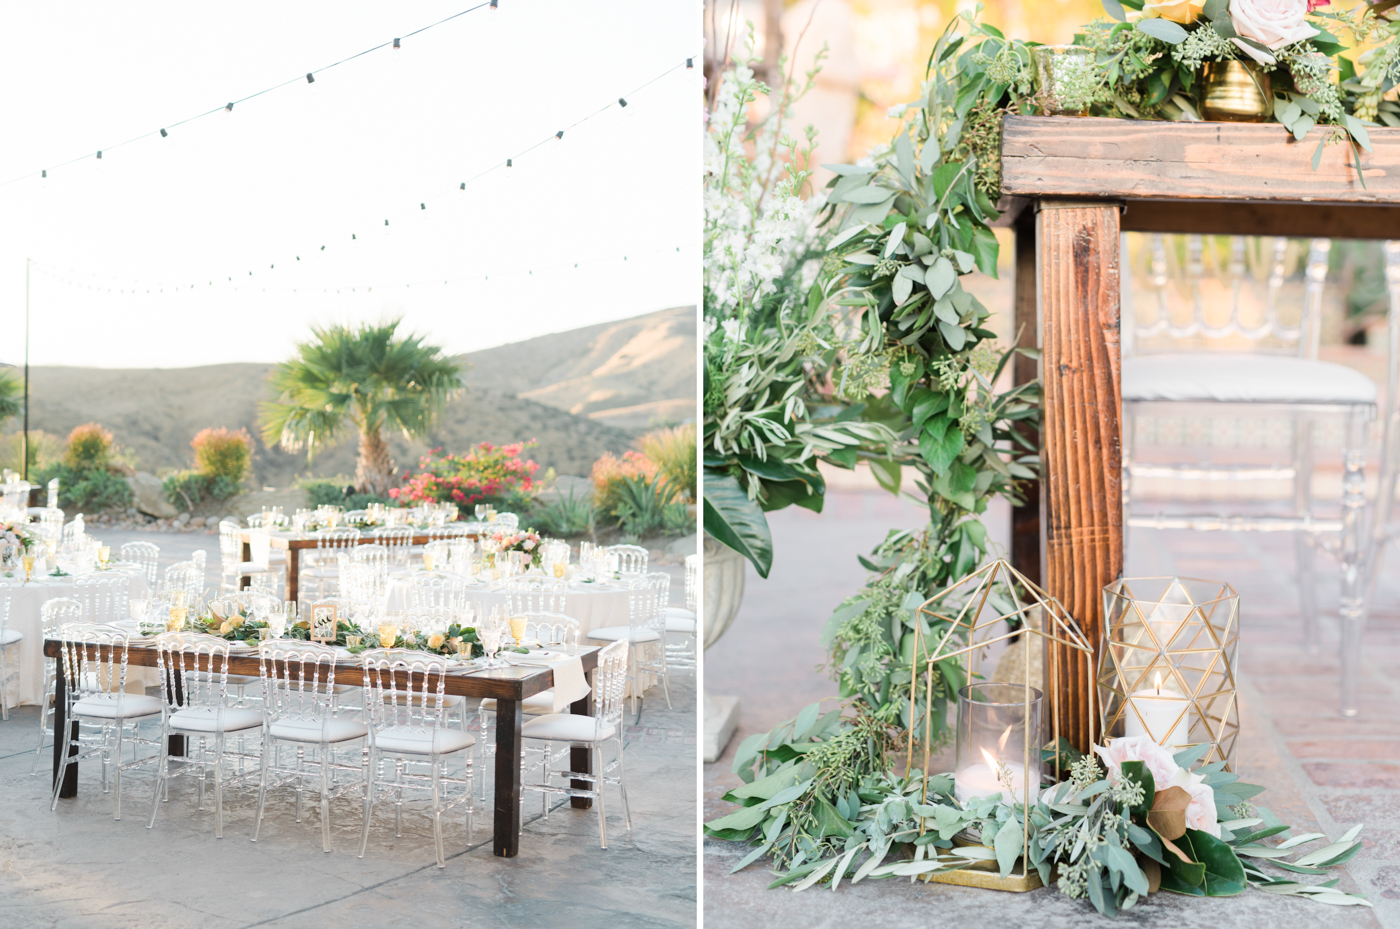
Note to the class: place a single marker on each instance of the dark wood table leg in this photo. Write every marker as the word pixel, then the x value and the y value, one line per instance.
pixel 1027 542
pixel 177 742
pixel 247 555
pixel 509 750
pixel 581 756
pixel 64 732
pixel 293 573
pixel 1082 488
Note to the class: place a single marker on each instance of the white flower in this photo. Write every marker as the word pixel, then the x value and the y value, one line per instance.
pixel 1200 813
pixel 1271 23
pixel 733 331
pixel 897 111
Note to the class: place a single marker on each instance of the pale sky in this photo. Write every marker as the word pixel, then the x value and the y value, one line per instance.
pixel 311 164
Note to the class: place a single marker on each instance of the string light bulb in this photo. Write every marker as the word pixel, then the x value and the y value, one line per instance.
pixel 163 133
pixel 621 102
pixel 44 173
pixel 422 206
pixel 690 63
pixel 559 134
pixel 310 78
pixel 228 107
pixel 396 43
pixel 99 154
pixel 507 162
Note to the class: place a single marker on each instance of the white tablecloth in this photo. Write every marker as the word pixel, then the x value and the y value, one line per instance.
pixel 26 602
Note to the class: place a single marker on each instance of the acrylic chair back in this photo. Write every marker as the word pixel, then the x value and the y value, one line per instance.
pixel 94 660
pixel 641 604
pixel 510 521
pixel 4 608
pixel 1265 326
pixel 553 629
pixel 104 597
pixel 397 540
pixel 230 543
pixel 359 582
pixel 185 576
pixel 610 685
pixel 406 688
pixel 147 555
pixel 193 669
pixel 661 583
pixel 57 613
pixel 341 537
pixel 298 681
pixel 449 531
pixel 373 553
pixel 438 593
pixel 693 565
pixel 631 559
pixel 534 598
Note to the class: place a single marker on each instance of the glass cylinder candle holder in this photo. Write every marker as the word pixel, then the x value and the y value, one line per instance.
pixel 1168 667
pixel 999 737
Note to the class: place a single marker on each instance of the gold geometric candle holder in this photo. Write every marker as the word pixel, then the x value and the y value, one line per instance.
pixel 997 604
pixel 1167 666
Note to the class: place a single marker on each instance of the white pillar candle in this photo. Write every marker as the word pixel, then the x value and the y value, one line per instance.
pixel 1162 715
pixel 981 780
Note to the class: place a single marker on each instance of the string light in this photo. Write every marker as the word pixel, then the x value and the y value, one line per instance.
pixel 396 43
pixel 163 133
pixel 621 102
pixel 559 134
pixel 310 78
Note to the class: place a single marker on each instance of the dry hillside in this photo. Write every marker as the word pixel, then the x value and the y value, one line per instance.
pixel 155 412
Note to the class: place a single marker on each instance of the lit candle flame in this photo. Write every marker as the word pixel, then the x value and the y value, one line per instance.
pixel 1001 742
pixel 1159 682
pixel 991 762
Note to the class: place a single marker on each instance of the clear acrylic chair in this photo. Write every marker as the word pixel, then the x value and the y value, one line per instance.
pixel 532 593
pixel 644 630
pixel 681 641
pixel 299 711
pixel 594 732
pixel 372 553
pixel 431 592
pixel 398 540
pixel 323 568
pixel 186 576
pixel 53 616
pixel 232 568
pixel 194 683
pixel 407 715
pixel 94 666
pixel 103 596
pixel 550 630
pixel 147 555
pixel 631 559
pixel 510 521
pixel 1281 378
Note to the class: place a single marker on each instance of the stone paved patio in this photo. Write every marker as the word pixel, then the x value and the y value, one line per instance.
pixel 1323 772
pixel 78 869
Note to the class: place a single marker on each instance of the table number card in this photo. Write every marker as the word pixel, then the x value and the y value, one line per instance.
pixel 323 622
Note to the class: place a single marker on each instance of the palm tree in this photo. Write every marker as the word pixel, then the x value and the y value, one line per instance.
pixel 368 377
pixel 10 393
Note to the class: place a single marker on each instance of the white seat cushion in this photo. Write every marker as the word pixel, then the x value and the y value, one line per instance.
pixel 613 633
pixel 309 730
pixel 535 704
pixel 10 637
pixel 680 612
pixel 448 700
pixel 676 624
pixel 419 742
pixel 564 727
pixel 1231 377
pixel 206 719
pixel 104 706
pixel 251 567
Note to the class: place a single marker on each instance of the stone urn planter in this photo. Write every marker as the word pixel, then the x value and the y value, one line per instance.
pixel 722 593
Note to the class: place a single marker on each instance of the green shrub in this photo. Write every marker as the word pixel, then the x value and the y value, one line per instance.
pixel 186 489
pixel 674 453
pixel 223 453
pixel 642 503
pixel 330 491
pixel 566 516
pixel 89 446
pixel 85 489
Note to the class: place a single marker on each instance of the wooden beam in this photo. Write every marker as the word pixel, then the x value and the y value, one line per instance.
pixel 1063 156
pixel 1302 220
pixel 1077 269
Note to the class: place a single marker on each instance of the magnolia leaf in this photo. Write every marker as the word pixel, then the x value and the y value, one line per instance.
pixel 1216 9
pixel 1164 29
pixel 738 522
pixel 1137 772
pixel 1168 814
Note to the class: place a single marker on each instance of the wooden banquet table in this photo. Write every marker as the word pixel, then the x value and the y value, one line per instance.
pixel 294 543
pixel 508 686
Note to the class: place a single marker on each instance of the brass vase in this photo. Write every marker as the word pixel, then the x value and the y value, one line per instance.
pixel 1235 92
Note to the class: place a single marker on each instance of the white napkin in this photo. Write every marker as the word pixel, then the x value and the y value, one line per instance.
pixel 570 684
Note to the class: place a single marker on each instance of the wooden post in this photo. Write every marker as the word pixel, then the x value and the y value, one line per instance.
pixel 1027 553
pixel 1077 270
pixel 509 751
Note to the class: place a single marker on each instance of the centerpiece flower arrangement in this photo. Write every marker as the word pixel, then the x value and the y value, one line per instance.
pixel 16 533
pixel 485 474
pixel 527 541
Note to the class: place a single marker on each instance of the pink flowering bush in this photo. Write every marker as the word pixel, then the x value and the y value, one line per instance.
pixel 485 474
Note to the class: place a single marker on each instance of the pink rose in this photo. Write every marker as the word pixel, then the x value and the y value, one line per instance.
pixel 1200 812
pixel 1139 748
pixel 1271 23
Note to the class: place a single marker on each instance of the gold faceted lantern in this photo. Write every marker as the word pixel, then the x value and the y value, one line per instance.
pixel 999 727
pixel 1167 666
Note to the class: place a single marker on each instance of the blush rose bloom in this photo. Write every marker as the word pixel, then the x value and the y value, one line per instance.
pixel 1271 23
pixel 1178 11
pixel 1200 812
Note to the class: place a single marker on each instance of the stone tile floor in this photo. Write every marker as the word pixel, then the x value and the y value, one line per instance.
pixel 79 869
pixel 1323 772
